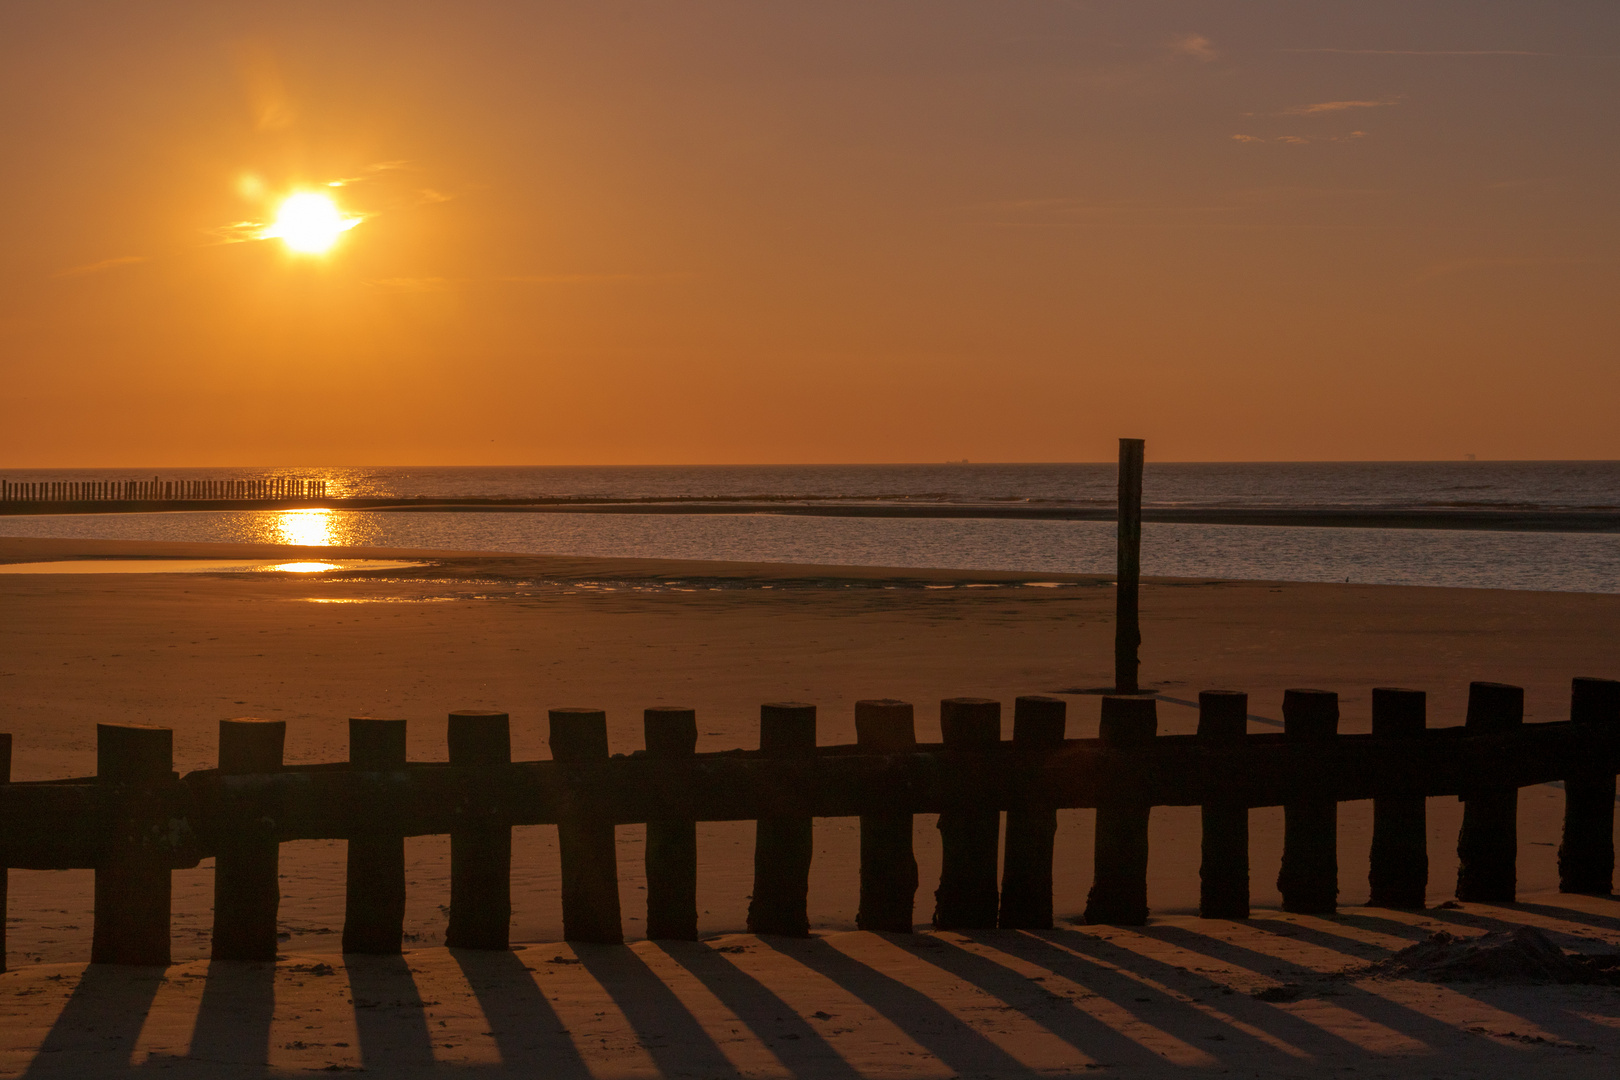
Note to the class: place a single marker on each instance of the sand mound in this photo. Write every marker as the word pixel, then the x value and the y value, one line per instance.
pixel 1521 955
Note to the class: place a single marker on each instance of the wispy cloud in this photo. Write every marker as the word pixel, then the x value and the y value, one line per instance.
pixel 1337 106
pixel 1300 140
pixel 1196 46
pixel 101 267
pixel 1423 52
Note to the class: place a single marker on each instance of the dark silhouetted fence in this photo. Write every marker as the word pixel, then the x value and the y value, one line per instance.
pixel 136 821
pixel 277 488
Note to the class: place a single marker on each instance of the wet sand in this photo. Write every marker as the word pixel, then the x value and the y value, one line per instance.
pixel 525 633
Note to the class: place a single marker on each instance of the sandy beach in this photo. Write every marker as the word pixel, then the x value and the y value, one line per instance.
pixel 521 634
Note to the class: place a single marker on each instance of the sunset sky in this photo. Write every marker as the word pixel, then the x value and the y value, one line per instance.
pixel 755 231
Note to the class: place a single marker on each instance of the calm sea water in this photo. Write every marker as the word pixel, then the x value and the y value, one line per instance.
pixel 1576 562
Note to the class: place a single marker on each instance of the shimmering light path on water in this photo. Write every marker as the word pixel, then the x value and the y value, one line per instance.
pixel 1562 562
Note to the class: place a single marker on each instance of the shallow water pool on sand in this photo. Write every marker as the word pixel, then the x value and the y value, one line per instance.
pixel 199 566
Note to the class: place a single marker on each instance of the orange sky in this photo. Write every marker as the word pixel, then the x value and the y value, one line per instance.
pixel 634 232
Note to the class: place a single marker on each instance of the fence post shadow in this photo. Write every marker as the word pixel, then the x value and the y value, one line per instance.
pixel 388 1012
pixel 104 1013
pixel 234 1016
pixel 666 1027
pixel 913 1011
pixel 799 1046
pixel 526 1029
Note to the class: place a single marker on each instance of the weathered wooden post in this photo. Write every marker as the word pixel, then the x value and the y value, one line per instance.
pixel 783 845
pixel 1488 844
pixel 247 867
pixel 480 851
pixel 1127 612
pixel 1398 870
pixel 969 838
pixel 5 778
pixel 888 862
pixel 1120 856
pixel 1309 878
pixel 1586 857
pixel 1026 867
pixel 374 912
pixel 671 734
pixel 587 847
pixel 1223 871
pixel 132 883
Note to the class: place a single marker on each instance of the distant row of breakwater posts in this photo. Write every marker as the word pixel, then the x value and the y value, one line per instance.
pixel 136 821
pixel 160 490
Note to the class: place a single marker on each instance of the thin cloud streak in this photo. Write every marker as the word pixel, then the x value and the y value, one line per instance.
pixel 1423 52
pixel 1337 106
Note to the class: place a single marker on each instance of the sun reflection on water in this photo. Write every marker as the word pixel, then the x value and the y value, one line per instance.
pixel 305 567
pixel 306 528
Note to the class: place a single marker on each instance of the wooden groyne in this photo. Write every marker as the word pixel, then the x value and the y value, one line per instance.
pixel 136 820
pixel 267 489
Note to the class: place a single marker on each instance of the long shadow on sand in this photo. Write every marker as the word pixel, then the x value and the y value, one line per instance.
pixel 527 1030
pixel 778 1025
pixel 927 1022
pixel 389 1013
pixel 667 1028
pixel 100 1020
pixel 233 1018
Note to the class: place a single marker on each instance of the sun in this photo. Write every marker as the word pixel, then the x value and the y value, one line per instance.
pixel 309 223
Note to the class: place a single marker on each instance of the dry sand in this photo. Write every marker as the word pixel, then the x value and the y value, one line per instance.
pixel 525 633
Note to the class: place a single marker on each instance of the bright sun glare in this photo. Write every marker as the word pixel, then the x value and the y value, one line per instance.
pixel 310 223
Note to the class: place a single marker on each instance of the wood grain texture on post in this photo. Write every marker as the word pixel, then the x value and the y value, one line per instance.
pixel 1026 868
pixel 888 861
pixel 970 839
pixel 1586 856
pixel 783 845
pixel 132 884
pixel 1223 869
pixel 1309 877
pixel 247 867
pixel 480 851
pixel 1488 843
pixel 671 859
pixel 1120 857
pixel 1398 865
pixel 1128 582
pixel 587 848
pixel 374 908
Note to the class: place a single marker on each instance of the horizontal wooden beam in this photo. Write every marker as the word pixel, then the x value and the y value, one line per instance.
pixel 68 825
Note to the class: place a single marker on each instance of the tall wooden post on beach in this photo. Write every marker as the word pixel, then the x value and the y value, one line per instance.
pixel 1127 621
pixel 247 868
pixel 888 861
pixel 783 845
pixel 586 846
pixel 132 887
pixel 969 837
pixel 374 907
pixel 670 733
pixel 1309 877
pixel 5 778
pixel 1488 843
pixel 1586 857
pixel 481 850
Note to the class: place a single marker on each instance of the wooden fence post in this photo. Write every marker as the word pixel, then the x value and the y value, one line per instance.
pixel 783 845
pixel 480 852
pixel 1586 857
pixel 1127 612
pixel 1309 877
pixel 5 778
pixel 589 855
pixel 374 913
pixel 1488 844
pixel 1119 861
pixel 671 860
pixel 1223 871
pixel 1026 866
pixel 247 867
pixel 1398 870
pixel 132 887
pixel 969 839
pixel 888 862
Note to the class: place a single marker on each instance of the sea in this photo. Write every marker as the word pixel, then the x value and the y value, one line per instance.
pixel 1548 561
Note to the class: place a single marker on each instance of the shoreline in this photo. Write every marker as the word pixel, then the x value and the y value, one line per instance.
pixel 1483 520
